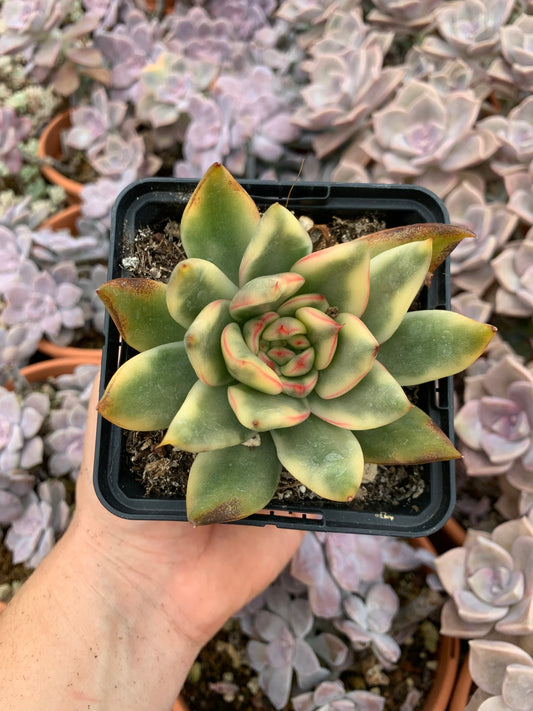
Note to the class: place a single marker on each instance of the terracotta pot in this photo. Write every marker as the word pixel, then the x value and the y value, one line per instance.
pixel 180 705
pixel 461 693
pixel 54 366
pixel 49 146
pixel 66 219
pixel 87 355
pixel 447 660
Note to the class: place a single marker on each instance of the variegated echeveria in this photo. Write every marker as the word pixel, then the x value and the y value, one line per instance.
pixel 260 353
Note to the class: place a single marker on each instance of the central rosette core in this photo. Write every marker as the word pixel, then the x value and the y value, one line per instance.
pixel 278 344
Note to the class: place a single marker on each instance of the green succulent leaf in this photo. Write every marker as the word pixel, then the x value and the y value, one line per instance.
pixel 202 342
pixel 278 242
pixel 283 328
pixel 395 279
pixel 291 306
pixel 138 308
pixel 326 459
pixel 323 332
pixel 245 366
pixel 375 401
pixel 219 221
pixel 412 439
pixel 193 284
pixel 300 386
pixel 232 483
pixel 261 412
pixel 433 344
pixel 205 421
pixel 350 265
pixel 354 355
pixel 300 364
pixel 445 239
pixel 264 294
pixel 146 392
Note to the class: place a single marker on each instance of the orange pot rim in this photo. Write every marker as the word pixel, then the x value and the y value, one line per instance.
pixel 92 355
pixel 49 146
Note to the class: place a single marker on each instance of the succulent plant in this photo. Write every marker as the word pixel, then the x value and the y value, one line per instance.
pixel 515 69
pixel 514 271
pixel 347 81
pixel 45 517
pixel 519 188
pixel 281 650
pixel 491 222
pixel 471 28
pixel 21 418
pixel 490 582
pixel 244 365
pixel 400 15
pixel 495 424
pixel 368 621
pixel 13 130
pixel 332 696
pixel 97 198
pixel 429 137
pixel 53 46
pixel 47 299
pixel 515 134
pixel 503 673
pixel 17 344
pixel 64 442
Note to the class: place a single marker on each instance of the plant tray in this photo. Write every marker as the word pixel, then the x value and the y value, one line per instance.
pixel 152 202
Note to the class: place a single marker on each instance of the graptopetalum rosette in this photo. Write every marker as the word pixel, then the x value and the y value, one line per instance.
pixel 260 353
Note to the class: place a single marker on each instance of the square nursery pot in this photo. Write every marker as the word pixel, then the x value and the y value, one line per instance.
pixel 151 202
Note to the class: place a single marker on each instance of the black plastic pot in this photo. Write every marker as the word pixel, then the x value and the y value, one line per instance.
pixel 152 202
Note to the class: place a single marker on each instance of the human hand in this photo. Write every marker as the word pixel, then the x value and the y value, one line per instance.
pixel 197 577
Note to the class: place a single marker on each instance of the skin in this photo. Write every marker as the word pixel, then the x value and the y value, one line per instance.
pixel 116 614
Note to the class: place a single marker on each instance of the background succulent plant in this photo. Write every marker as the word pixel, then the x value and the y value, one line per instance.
pixel 250 356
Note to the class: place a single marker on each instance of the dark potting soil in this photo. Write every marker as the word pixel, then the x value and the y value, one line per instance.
pixel 163 472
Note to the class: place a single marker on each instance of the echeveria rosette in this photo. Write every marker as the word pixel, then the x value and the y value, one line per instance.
pixel 300 356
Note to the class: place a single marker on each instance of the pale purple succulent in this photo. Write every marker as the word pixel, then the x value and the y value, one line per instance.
pixel 244 117
pixel 367 622
pixel 15 246
pixel 412 15
pixel 428 137
pixel 280 648
pixel 445 73
pixel 17 344
pixel 347 80
pixel 32 535
pixel 332 696
pixel 168 85
pixel 519 186
pixel 304 12
pixel 490 582
pixel 53 49
pixel 21 419
pixel 471 28
pixel 66 422
pixel 495 425
pixel 49 300
pixel 492 223
pixel 503 673
pixel 514 271
pixel 515 69
pixel 515 135
pixel 92 123
pixel 132 44
pixel 97 198
pixel 13 130
pixel 247 18
pixel 202 37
